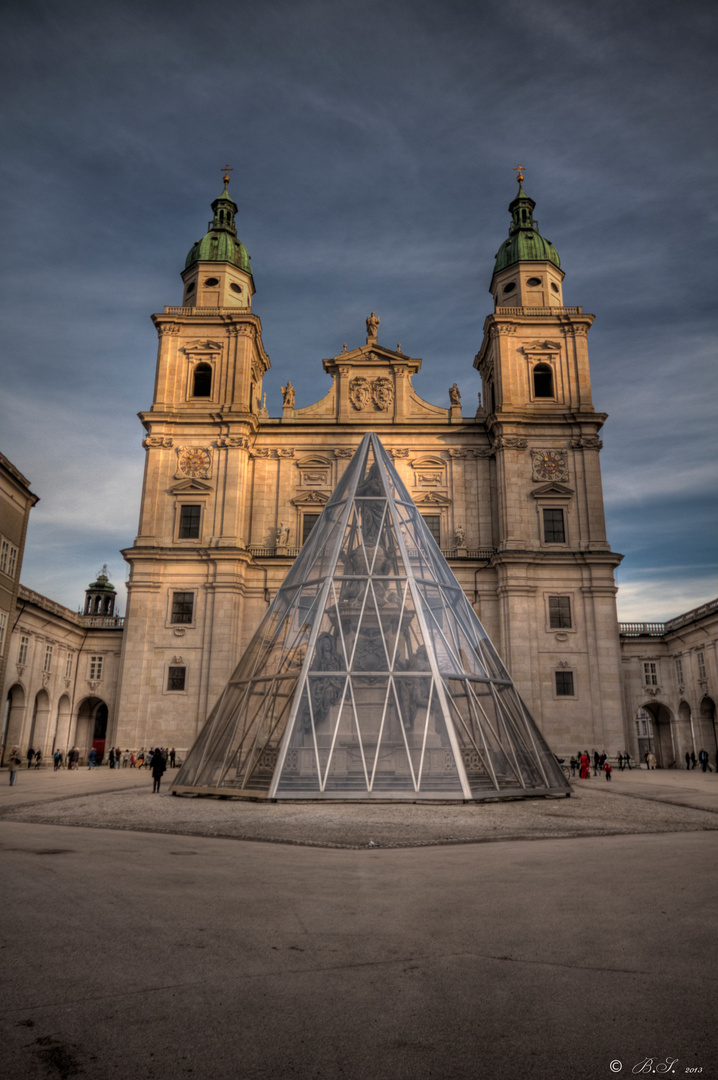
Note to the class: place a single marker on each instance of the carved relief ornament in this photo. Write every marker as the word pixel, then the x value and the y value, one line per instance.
pixel 167 328
pixel 359 393
pixel 382 393
pixel 259 452
pixel 457 452
pixel 378 393
pixel 587 442
pixel 343 452
pixel 509 442
pixel 153 442
pixel 225 441
pixel 502 329
pixel 399 452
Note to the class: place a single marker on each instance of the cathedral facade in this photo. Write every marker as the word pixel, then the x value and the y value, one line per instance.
pixel 511 492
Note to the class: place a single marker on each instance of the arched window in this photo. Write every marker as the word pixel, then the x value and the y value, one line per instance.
pixel 202 386
pixel 543 381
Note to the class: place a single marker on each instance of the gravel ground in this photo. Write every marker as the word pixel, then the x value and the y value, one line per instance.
pixel 589 812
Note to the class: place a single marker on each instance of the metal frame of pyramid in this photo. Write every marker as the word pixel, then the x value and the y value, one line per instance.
pixel 370 676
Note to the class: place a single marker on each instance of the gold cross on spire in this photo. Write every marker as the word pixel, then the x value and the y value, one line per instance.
pixel 226 170
pixel 519 169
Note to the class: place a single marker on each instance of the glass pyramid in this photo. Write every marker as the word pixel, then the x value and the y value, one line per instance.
pixel 370 675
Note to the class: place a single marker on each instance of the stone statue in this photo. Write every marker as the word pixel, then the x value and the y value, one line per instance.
pixel 326 691
pixel 282 535
pixel 459 537
pixel 288 395
pixel 454 395
pixel 372 325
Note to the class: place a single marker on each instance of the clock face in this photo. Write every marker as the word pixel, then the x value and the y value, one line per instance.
pixel 549 464
pixel 195 461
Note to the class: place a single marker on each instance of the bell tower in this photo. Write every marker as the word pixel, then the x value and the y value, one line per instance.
pixel 189 559
pixel 559 629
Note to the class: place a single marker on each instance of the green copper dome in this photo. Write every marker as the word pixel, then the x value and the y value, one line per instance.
pixel 102 584
pixel 525 243
pixel 220 244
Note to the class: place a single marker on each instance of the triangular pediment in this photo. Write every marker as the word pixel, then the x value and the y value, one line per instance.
pixel 310 498
pixel 373 354
pixel 370 675
pixel 432 498
pixel 191 487
pixel 552 488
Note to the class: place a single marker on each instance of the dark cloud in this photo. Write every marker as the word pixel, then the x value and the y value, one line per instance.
pixel 372 146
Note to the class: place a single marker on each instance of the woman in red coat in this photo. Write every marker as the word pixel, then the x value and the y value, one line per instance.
pixel 585 773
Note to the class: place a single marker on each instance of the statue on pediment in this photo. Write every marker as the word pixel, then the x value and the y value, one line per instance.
pixel 372 325
pixel 288 395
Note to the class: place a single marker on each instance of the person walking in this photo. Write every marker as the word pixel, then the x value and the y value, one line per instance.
pixel 651 760
pixel 693 759
pixel 607 769
pixel 703 758
pixel 92 757
pixel 585 773
pixel 38 759
pixel 574 763
pixel 13 763
pixel 30 756
pixel 688 760
pixel 627 759
pixel 172 758
pixel 158 767
pixel 620 761
pixel 596 759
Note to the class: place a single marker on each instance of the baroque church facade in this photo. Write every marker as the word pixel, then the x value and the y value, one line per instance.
pixel 511 493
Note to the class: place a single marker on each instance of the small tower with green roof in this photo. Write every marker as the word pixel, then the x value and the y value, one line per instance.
pixel 100 595
pixel 527 272
pixel 217 271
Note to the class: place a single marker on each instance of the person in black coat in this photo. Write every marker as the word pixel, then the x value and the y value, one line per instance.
pixel 158 767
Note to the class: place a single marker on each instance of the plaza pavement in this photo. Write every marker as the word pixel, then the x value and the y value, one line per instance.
pixel 540 940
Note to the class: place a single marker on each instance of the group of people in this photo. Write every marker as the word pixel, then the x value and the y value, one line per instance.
pixel 156 760
pixel 582 762
pixel 703 760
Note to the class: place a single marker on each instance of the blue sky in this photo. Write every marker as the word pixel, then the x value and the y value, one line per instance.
pixel 372 146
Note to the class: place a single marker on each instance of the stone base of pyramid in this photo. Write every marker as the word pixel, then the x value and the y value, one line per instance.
pixel 345 796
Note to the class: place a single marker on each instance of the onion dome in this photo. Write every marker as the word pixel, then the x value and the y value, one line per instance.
pixel 525 243
pixel 221 244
